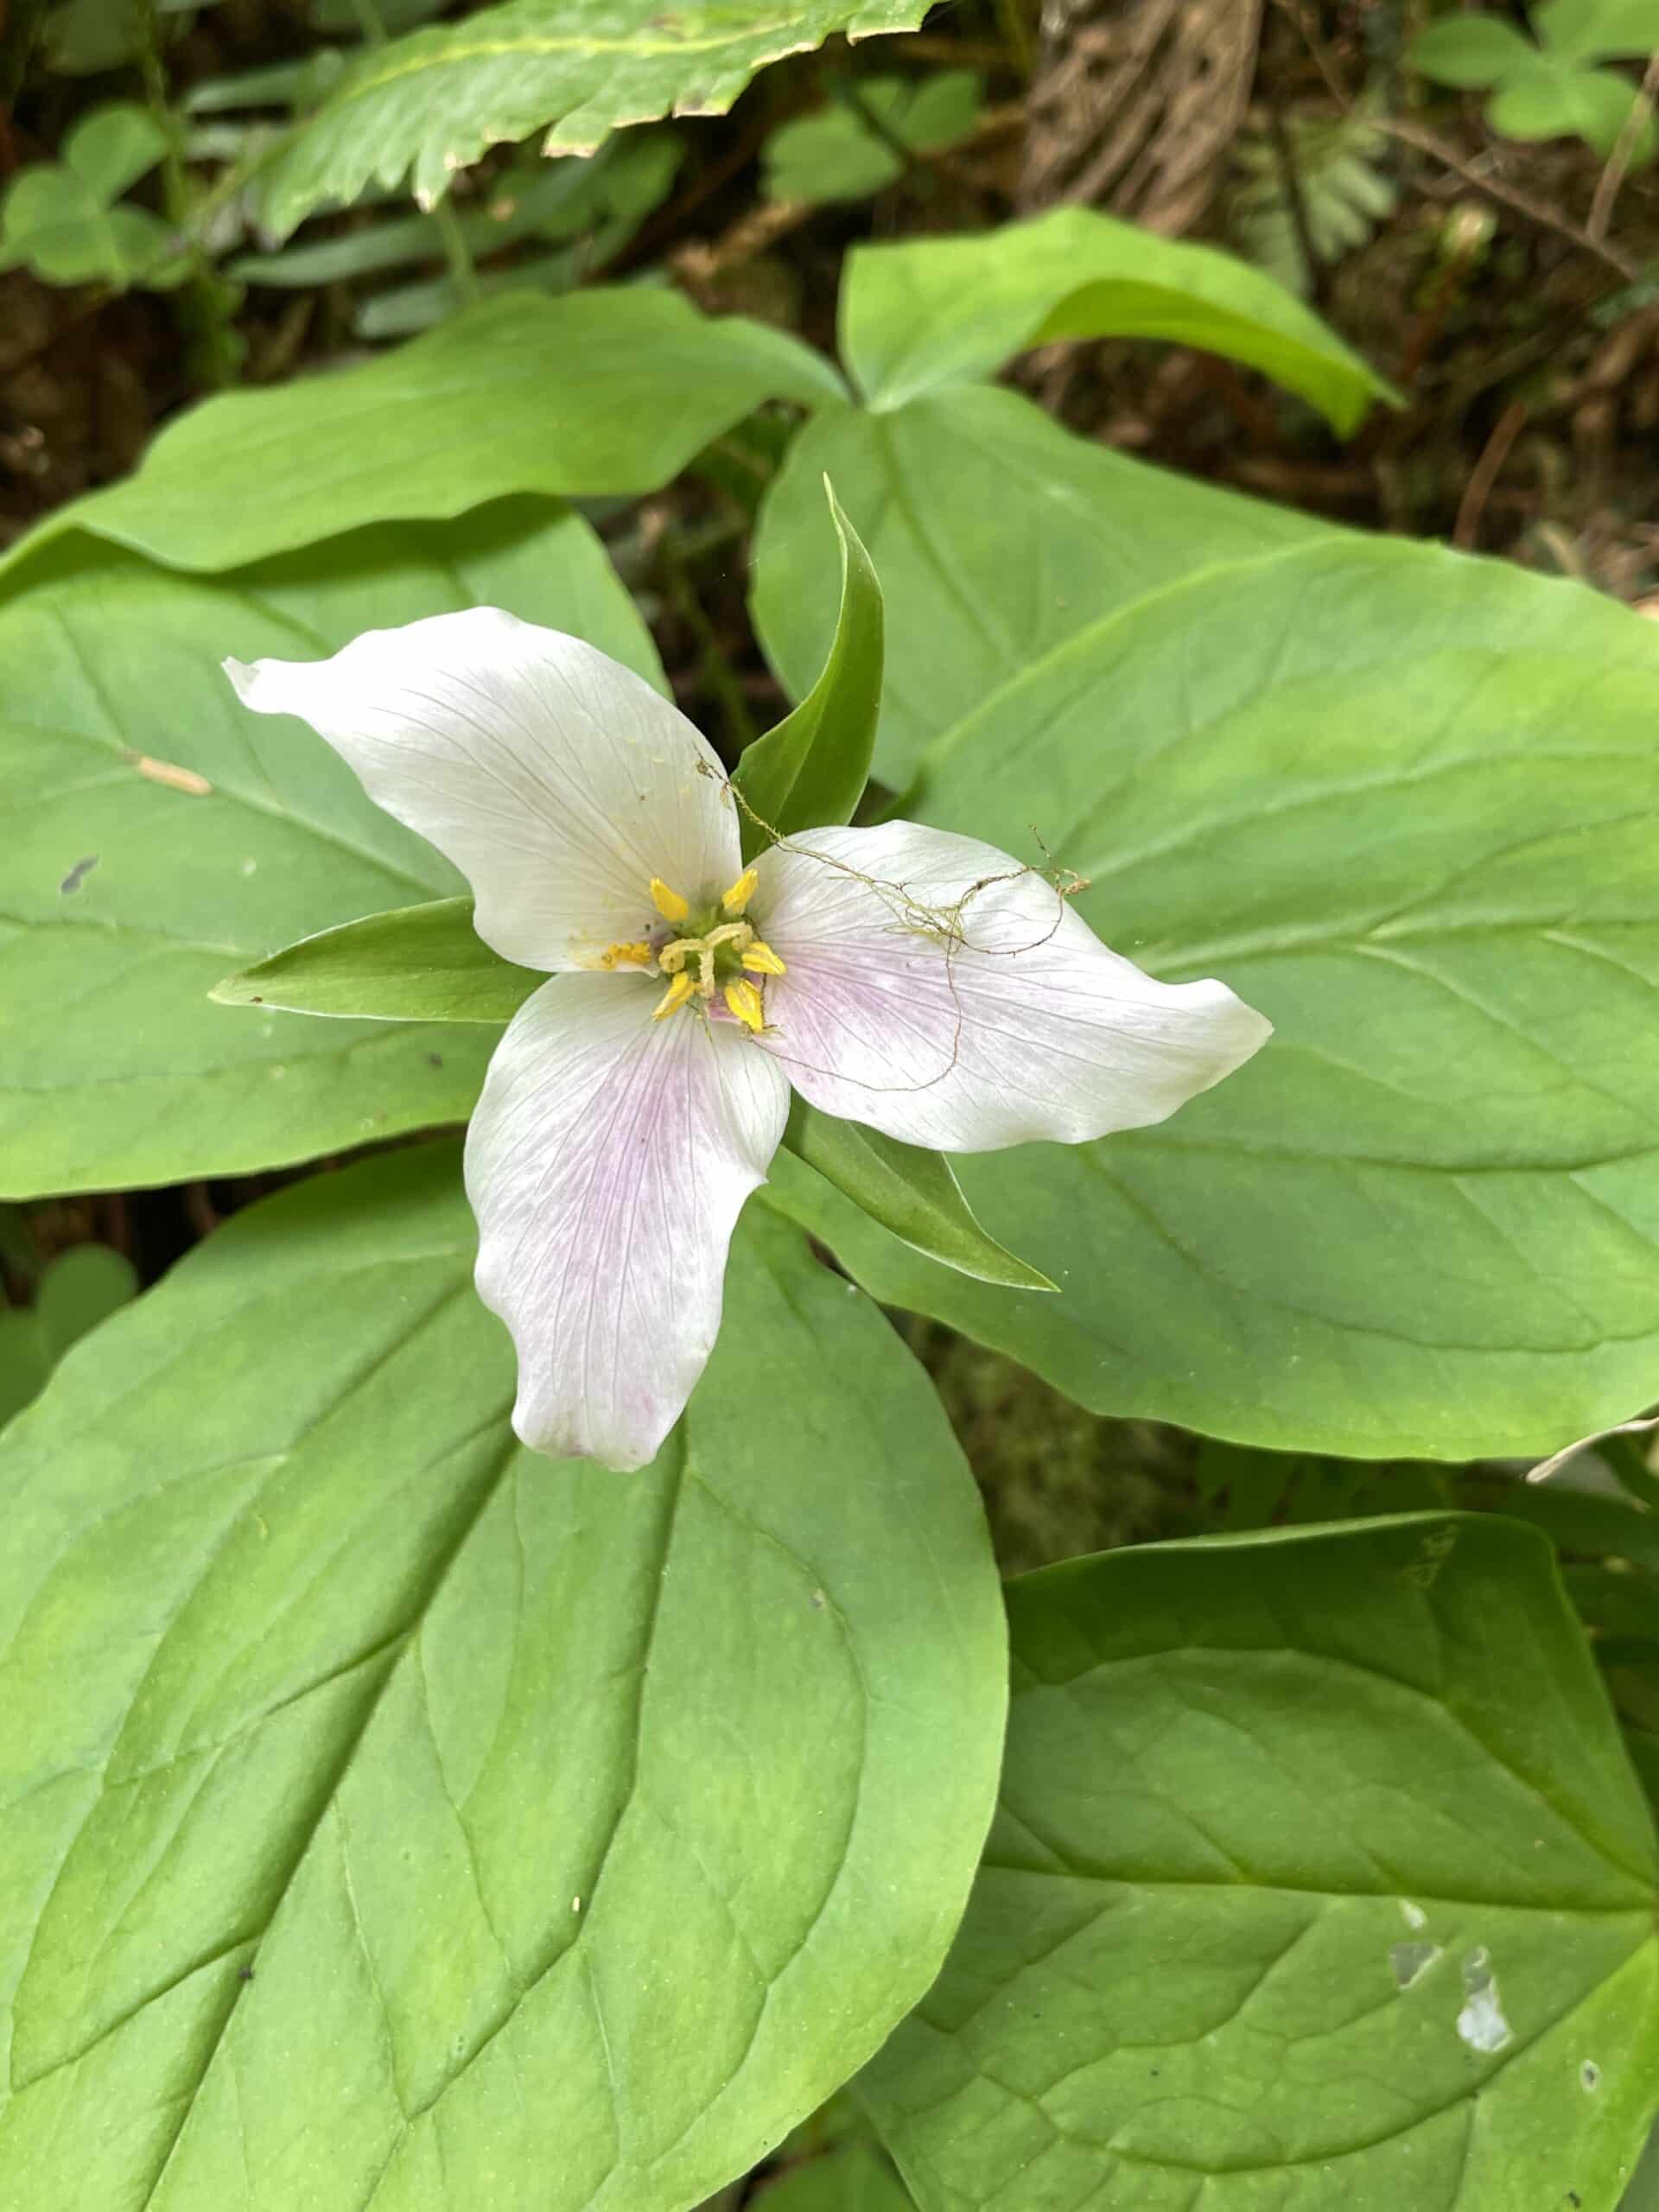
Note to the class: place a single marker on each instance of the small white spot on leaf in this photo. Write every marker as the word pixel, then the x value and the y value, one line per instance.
pixel 1415 1915
pixel 1410 1962
pixel 1590 2075
pixel 1481 2024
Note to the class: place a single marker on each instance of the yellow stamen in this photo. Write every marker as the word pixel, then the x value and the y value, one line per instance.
pixel 677 994
pixel 745 1002
pixel 741 892
pixel 760 960
pixel 669 904
pixel 626 956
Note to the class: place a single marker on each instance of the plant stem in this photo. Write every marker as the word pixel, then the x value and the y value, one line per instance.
pixel 1618 161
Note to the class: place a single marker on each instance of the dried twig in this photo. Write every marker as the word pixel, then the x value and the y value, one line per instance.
pixel 1506 195
pixel 1486 472
pixel 1618 161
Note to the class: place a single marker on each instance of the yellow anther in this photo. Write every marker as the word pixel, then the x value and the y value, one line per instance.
pixel 677 994
pixel 745 1002
pixel 669 904
pixel 760 960
pixel 741 892
pixel 626 956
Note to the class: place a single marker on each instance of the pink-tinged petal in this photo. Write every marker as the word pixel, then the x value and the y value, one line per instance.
pixel 556 780
pixel 948 995
pixel 607 1163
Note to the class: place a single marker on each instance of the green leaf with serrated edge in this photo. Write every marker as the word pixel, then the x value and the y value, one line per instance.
pixel 428 104
pixel 934 312
pixel 391 1812
pixel 1401 802
pixel 600 392
pixel 996 534
pixel 415 963
pixel 913 1193
pixel 1320 1879
pixel 811 770
pixel 160 836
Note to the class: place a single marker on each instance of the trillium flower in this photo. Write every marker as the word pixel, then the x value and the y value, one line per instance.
pixel 921 983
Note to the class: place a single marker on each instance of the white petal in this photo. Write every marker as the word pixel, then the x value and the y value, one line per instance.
pixel 607 1162
pixel 948 995
pixel 556 779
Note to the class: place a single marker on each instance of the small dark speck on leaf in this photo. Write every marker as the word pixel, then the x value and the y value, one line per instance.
pixel 244 1973
pixel 435 1059
pixel 254 999
pixel 78 874
pixel 1573 2198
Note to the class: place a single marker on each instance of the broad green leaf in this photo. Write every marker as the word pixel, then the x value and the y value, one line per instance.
pixel 1547 99
pixel 427 105
pixel 811 770
pixel 935 311
pixel 60 218
pixel 161 837
pixel 839 153
pixel 1470 50
pixel 913 1193
pixel 1643 2195
pixel 82 37
pixel 1320 1880
pixel 1599 30
pixel 850 2177
pixel 1401 802
pixel 606 392
pixel 77 1290
pixel 996 534
pixel 414 964
pixel 394 1816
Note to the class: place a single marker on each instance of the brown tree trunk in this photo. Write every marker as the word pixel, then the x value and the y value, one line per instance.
pixel 1135 103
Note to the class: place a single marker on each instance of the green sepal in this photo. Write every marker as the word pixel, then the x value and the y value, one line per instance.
pixel 415 963
pixel 811 769
pixel 911 1191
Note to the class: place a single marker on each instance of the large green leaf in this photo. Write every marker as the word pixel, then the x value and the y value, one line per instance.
pixel 1402 802
pixel 995 533
pixel 427 105
pixel 394 1817
pixel 1321 1882
pixel 934 312
pixel 601 391
pixel 160 836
